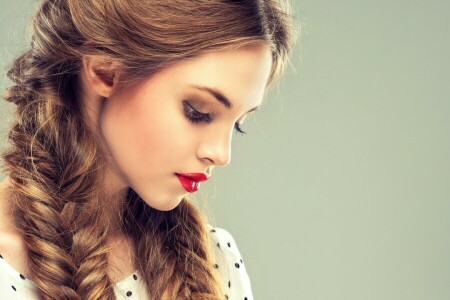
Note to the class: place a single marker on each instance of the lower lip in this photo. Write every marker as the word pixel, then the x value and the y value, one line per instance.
pixel 189 185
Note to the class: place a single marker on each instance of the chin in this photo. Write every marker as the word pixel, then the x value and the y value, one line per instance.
pixel 166 205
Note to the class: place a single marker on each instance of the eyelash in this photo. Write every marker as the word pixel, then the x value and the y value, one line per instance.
pixel 196 117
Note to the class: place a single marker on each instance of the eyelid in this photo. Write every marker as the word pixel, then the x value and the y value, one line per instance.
pixel 205 102
pixel 212 114
pixel 205 117
pixel 242 120
pixel 196 109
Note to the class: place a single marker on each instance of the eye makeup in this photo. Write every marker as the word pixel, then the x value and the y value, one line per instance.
pixel 196 117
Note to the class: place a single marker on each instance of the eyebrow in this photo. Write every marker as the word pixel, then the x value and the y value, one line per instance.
pixel 220 97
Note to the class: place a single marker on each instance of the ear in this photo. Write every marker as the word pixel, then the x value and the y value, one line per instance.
pixel 102 77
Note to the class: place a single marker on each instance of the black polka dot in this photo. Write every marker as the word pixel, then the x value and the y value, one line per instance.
pixel 229 245
pixel 241 261
pixel 218 245
pixel 13 288
pixel 213 230
pixel 229 283
pixel 216 266
pixel 245 298
pixel 21 276
pixel 129 293
pixel 134 276
pixel 226 296
pixel 1 256
pixel 237 265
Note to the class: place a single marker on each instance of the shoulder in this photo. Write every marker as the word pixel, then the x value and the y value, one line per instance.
pixel 12 245
pixel 14 285
pixel 14 282
pixel 225 242
pixel 230 264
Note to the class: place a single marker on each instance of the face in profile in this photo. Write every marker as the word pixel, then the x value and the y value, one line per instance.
pixel 181 120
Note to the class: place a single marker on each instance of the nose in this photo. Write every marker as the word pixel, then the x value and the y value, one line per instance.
pixel 216 148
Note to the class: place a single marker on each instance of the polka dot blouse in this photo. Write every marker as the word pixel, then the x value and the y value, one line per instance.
pixel 227 260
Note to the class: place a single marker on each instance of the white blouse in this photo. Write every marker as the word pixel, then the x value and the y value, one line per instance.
pixel 228 261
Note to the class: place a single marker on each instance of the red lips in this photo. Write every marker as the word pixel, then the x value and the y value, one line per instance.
pixel 191 181
pixel 195 176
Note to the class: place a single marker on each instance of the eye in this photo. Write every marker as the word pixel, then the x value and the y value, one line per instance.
pixel 239 129
pixel 196 117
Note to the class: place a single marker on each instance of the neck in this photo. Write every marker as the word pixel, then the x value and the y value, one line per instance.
pixel 113 197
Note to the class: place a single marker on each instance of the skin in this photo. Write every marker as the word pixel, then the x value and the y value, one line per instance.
pixel 147 138
pixel 146 135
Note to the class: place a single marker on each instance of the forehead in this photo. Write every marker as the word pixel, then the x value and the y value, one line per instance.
pixel 241 74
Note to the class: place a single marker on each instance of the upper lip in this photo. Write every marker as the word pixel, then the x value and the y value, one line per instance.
pixel 199 177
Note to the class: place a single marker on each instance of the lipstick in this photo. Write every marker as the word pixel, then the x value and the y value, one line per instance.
pixel 191 181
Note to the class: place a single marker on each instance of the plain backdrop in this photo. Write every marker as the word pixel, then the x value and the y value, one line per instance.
pixel 341 188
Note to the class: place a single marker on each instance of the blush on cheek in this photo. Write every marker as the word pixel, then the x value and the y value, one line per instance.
pixel 148 134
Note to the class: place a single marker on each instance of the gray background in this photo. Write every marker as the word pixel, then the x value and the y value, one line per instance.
pixel 341 189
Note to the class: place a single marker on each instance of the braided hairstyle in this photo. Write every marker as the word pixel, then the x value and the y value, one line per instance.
pixel 55 165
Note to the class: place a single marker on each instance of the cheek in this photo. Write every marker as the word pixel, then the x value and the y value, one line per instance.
pixel 160 133
pixel 144 137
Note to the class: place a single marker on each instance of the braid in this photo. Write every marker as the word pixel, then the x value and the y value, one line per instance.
pixel 53 165
pixel 175 244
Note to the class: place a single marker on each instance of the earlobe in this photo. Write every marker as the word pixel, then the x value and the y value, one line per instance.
pixel 101 76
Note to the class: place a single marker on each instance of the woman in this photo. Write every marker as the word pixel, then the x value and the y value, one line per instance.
pixel 123 107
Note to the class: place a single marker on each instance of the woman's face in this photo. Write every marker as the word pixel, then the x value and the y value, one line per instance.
pixel 152 131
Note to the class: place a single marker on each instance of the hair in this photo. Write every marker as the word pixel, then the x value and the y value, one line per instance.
pixel 56 167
